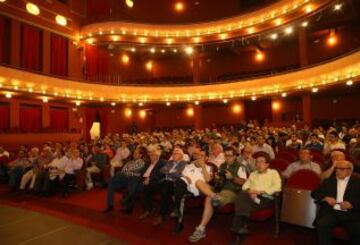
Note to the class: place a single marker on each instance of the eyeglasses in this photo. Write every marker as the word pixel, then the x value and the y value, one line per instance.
pixel 343 168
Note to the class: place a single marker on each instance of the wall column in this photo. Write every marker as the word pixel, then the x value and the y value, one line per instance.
pixel 46 52
pixel 45 115
pixel 14 113
pixel 304 61
pixel 15 39
pixel 306 105
pixel 198 109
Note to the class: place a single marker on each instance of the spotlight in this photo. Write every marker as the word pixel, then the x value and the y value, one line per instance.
pixel 304 24
pixel 179 7
pixel 349 82
pixel 274 36
pixel 283 95
pixel 337 7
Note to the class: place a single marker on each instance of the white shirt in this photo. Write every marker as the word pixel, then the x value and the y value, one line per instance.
pixel 195 174
pixel 149 170
pixel 73 164
pixel 218 160
pixel 333 146
pixel 341 187
pixel 265 148
pixel 121 154
pixel 295 166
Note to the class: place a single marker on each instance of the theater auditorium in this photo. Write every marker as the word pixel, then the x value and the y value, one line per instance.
pixel 152 122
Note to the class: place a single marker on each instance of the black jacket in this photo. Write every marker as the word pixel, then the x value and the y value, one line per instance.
pixel 329 188
pixel 156 175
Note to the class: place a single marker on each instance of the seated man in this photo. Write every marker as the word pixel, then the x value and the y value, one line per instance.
pixel 17 168
pixel 216 154
pixel 192 173
pixel 171 172
pixel 4 158
pixel 333 143
pixel 129 175
pixel 122 153
pixel 230 177
pixel 339 199
pixel 294 142
pixel 73 163
pixel 98 163
pixel 303 163
pixel 246 160
pixel 261 146
pixel 329 168
pixel 314 143
pixel 257 193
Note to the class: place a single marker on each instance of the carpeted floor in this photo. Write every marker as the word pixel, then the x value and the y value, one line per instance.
pixel 84 208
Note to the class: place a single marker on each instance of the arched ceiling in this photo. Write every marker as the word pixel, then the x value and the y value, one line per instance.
pixel 163 11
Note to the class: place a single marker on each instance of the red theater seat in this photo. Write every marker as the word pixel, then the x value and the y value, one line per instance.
pixel 279 164
pixel 287 155
pixel 304 179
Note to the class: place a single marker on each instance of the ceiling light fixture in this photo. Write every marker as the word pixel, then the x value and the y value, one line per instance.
pixel 129 3
pixel 32 9
pixel 61 20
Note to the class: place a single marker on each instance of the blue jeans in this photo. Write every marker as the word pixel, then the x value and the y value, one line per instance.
pixel 15 176
pixel 120 181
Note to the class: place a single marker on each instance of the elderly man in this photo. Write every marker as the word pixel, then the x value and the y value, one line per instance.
pixel 262 146
pixel 73 163
pixel 171 172
pixel 303 163
pixel 257 193
pixel 335 156
pixel 230 177
pixel 216 155
pixel 339 199
pixel 246 160
pixel 151 179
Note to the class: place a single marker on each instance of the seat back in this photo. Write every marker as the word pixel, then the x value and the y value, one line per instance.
pixel 304 179
pixel 279 164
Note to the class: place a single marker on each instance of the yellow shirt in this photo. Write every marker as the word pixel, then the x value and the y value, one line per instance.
pixel 269 182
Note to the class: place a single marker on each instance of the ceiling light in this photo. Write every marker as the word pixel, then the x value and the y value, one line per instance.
pixel 283 95
pixel 149 65
pixel 32 9
pixel 349 82
pixel 259 56
pixel 225 101
pixel 45 100
pixel 274 36
pixel 168 103
pixel 61 20
pixel 289 30
pixel 8 95
pixel 189 50
pixel 179 6
pixel 337 7
pixel 152 50
pixel 304 24
pixel 125 59
pixel 315 90
pixel 129 3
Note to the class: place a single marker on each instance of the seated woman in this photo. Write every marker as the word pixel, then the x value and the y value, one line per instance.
pixel 257 193
pixel 128 177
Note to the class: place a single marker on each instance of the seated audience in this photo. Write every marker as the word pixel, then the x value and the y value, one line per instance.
pixel 257 193
pixel 229 179
pixel 192 173
pixel 314 144
pixel 294 143
pixel 339 199
pixel 333 143
pixel 73 163
pixel 171 172
pixel 17 168
pixel 335 156
pixel 128 177
pixel 97 164
pixel 303 163
pixel 122 153
pixel 216 155
pixel 261 146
